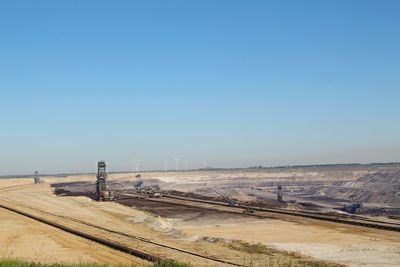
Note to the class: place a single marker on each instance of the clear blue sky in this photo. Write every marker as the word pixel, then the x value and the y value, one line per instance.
pixel 237 83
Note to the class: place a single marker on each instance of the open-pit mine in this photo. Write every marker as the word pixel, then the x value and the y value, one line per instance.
pixel 335 215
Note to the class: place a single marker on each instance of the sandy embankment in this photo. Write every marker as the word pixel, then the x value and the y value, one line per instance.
pixel 27 239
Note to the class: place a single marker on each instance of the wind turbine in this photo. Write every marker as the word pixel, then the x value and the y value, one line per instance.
pixel 136 164
pixel 185 165
pixel 165 165
pixel 177 165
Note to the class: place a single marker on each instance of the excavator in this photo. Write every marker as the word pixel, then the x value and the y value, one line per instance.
pixel 355 207
pixel 231 201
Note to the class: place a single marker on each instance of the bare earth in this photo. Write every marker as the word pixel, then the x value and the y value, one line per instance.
pixel 23 238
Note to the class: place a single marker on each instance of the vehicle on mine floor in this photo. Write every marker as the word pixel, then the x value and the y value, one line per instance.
pixel 233 203
pixel 248 211
pixel 149 191
pixel 155 195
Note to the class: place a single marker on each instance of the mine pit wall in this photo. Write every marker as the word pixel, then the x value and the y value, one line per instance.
pixel 379 189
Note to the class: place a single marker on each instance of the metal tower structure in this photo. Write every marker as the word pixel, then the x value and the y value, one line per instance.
pixel 36 177
pixel 280 193
pixel 101 183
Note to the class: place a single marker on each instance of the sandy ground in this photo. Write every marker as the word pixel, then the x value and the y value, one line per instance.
pixel 119 218
pixel 27 239
pixel 353 246
pixel 348 245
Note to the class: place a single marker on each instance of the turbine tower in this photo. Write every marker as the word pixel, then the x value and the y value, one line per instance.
pixel 165 165
pixel 136 165
pixel 177 165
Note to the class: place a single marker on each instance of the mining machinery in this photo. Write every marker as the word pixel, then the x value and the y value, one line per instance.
pixel 280 194
pixel 248 211
pixel 36 177
pixel 355 206
pixel 138 184
pixel 151 191
pixel 231 201
pixel 102 194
